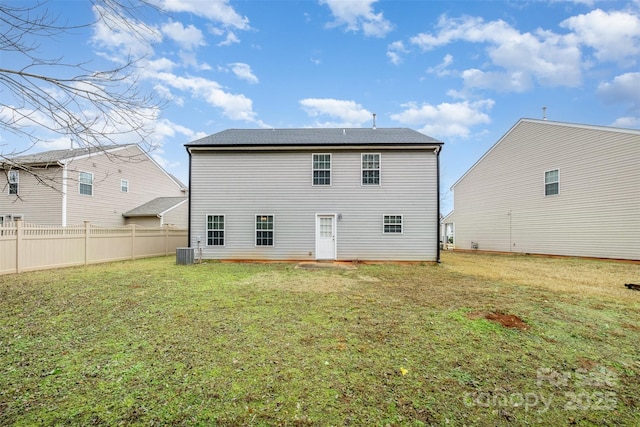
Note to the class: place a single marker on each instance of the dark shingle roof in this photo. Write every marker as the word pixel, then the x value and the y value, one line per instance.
pixel 155 206
pixel 313 137
pixel 54 156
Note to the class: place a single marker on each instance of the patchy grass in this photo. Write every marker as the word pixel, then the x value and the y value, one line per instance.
pixel 152 343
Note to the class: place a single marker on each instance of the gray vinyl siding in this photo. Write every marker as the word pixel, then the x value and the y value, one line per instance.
pixel 595 214
pixel 241 185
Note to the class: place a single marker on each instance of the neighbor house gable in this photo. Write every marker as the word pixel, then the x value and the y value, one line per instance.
pixel 545 122
pixel 94 184
pixel 552 188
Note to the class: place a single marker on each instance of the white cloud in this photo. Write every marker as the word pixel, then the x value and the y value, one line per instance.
pixel 623 89
pixel 215 10
pixel 122 36
pixel 627 122
pixel 349 113
pixel 441 69
pixel 615 36
pixel 395 51
pixel 234 106
pixel 546 57
pixel 187 37
pixel 229 40
pixel 160 64
pixel 243 72
pixel 359 16
pixel 514 81
pixel 446 119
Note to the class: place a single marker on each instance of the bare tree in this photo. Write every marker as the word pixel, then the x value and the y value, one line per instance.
pixel 46 97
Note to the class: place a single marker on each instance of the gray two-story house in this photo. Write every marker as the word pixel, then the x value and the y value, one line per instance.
pixel 315 194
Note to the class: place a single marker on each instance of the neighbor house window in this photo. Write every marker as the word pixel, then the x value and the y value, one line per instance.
pixel 14 178
pixel 215 230
pixel 551 182
pixel 392 224
pixel 124 185
pixel 370 169
pixel 86 183
pixel 322 169
pixel 264 230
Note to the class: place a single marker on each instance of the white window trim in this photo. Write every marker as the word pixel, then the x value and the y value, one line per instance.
pixel 255 231
pixel 544 179
pixel 224 230
pixel 379 184
pixel 401 224
pixel 80 183
pixel 124 188
pixel 16 174
pixel 330 169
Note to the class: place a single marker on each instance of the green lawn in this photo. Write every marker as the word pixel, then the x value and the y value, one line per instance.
pixel 152 343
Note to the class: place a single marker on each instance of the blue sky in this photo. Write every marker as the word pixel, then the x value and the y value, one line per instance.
pixel 461 71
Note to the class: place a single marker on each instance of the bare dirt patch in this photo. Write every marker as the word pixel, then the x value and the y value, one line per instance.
pixel 507 320
pixel 322 284
pixel 316 265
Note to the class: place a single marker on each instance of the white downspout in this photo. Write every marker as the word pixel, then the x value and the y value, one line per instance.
pixel 64 195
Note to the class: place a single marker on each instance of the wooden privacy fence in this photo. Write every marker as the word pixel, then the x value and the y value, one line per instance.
pixel 26 247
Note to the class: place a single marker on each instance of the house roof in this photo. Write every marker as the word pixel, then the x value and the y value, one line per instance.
pixel 548 123
pixel 155 207
pixel 56 156
pixel 313 137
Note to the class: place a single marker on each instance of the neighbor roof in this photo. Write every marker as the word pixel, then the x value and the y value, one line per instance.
pixel 313 137
pixel 55 156
pixel 155 207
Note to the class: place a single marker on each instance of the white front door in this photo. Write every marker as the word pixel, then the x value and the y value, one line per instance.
pixel 325 237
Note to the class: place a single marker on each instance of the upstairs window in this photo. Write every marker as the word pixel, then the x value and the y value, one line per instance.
pixel 14 179
pixel 264 230
pixel 551 182
pixel 392 224
pixel 322 169
pixel 370 169
pixel 124 186
pixel 215 230
pixel 86 183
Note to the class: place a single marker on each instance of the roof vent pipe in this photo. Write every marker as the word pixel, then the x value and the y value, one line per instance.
pixel 344 131
pixel 374 120
pixel 544 113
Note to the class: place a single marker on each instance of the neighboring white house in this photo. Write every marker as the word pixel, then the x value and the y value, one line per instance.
pixel 552 188
pixel 173 211
pixel 315 194
pixel 67 187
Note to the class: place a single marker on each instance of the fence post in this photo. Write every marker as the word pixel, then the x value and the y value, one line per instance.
pixel 19 232
pixel 166 239
pixel 133 241
pixel 86 242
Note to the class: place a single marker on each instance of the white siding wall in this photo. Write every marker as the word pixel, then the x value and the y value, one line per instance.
pixel 37 202
pixel 107 204
pixel 41 204
pixel 241 185
pixel 178 216
pixel 596 213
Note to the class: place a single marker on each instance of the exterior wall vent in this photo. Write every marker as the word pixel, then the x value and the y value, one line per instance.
pixel 184 256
